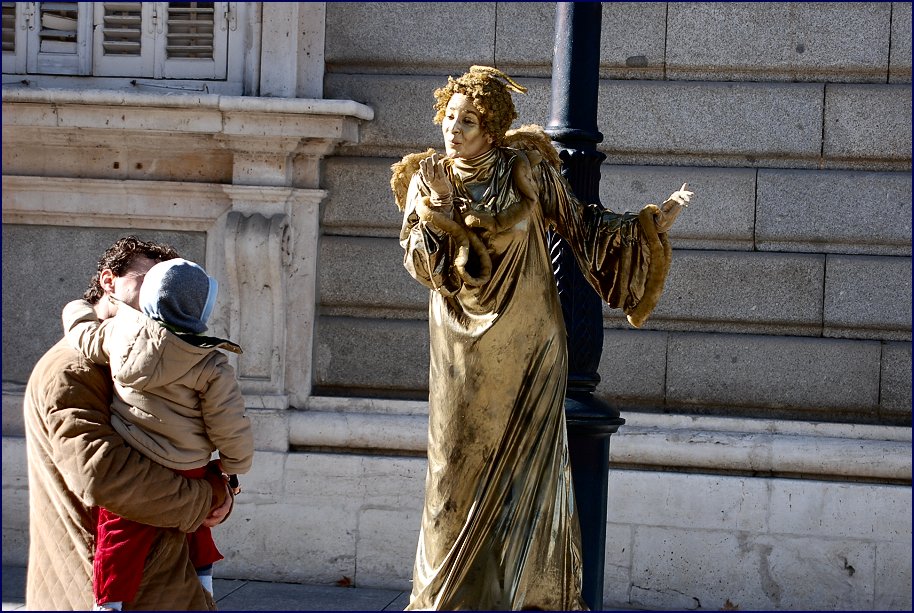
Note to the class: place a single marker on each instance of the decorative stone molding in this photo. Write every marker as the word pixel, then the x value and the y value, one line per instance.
pixel 257 255
pixel 244 104
pixel 103 203
pixel 294 253
pixel 263 135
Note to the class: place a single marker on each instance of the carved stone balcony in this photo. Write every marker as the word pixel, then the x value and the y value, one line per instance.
pixel 244 170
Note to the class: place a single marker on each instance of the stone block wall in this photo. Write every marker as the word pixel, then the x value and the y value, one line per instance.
pixel 765 462
pixel 797 144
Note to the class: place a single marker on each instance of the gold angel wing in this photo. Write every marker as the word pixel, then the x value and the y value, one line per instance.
pixel 402 173
pixel 532 138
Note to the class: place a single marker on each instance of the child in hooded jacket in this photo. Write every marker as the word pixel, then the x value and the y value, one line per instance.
pixel 176 400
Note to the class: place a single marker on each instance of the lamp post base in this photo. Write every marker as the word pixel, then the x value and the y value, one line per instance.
pixel 591 423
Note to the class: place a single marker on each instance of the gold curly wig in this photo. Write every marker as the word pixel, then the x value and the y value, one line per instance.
pixel 489 89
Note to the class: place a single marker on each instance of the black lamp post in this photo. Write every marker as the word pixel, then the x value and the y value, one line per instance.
pixel 591 422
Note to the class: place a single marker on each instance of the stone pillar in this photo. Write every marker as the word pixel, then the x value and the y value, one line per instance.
pixel 292 53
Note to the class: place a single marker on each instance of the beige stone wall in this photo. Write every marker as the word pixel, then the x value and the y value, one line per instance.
pixel 766 458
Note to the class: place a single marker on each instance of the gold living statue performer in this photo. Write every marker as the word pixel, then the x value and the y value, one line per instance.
pixel 499 526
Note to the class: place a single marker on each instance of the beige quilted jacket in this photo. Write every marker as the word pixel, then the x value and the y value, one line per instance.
pixel 175 401
pixel 76 462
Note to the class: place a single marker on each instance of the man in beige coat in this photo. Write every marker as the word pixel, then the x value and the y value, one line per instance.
pixel 77 463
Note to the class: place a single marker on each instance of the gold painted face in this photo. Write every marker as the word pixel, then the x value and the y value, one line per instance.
pixel 462 129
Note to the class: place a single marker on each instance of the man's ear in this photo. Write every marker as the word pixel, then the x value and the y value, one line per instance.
pixel 106 280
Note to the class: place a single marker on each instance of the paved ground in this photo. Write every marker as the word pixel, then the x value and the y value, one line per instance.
pixel 236 595
pixel 242 595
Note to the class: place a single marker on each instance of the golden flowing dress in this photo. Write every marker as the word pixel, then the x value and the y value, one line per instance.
pixel 499 527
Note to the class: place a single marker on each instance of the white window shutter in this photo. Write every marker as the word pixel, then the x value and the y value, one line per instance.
pixel 195 42
pixel 125 39
pixel 58 38
pixel 15 26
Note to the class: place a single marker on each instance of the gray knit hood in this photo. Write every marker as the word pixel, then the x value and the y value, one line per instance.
pixel 179 294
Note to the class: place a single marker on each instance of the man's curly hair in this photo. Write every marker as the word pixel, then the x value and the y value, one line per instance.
pixel 489 89
pixel 120 256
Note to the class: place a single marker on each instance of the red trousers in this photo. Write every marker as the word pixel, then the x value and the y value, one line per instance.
pixel 121 548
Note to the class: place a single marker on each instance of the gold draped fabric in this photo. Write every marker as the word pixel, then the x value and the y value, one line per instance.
pixel 499 527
